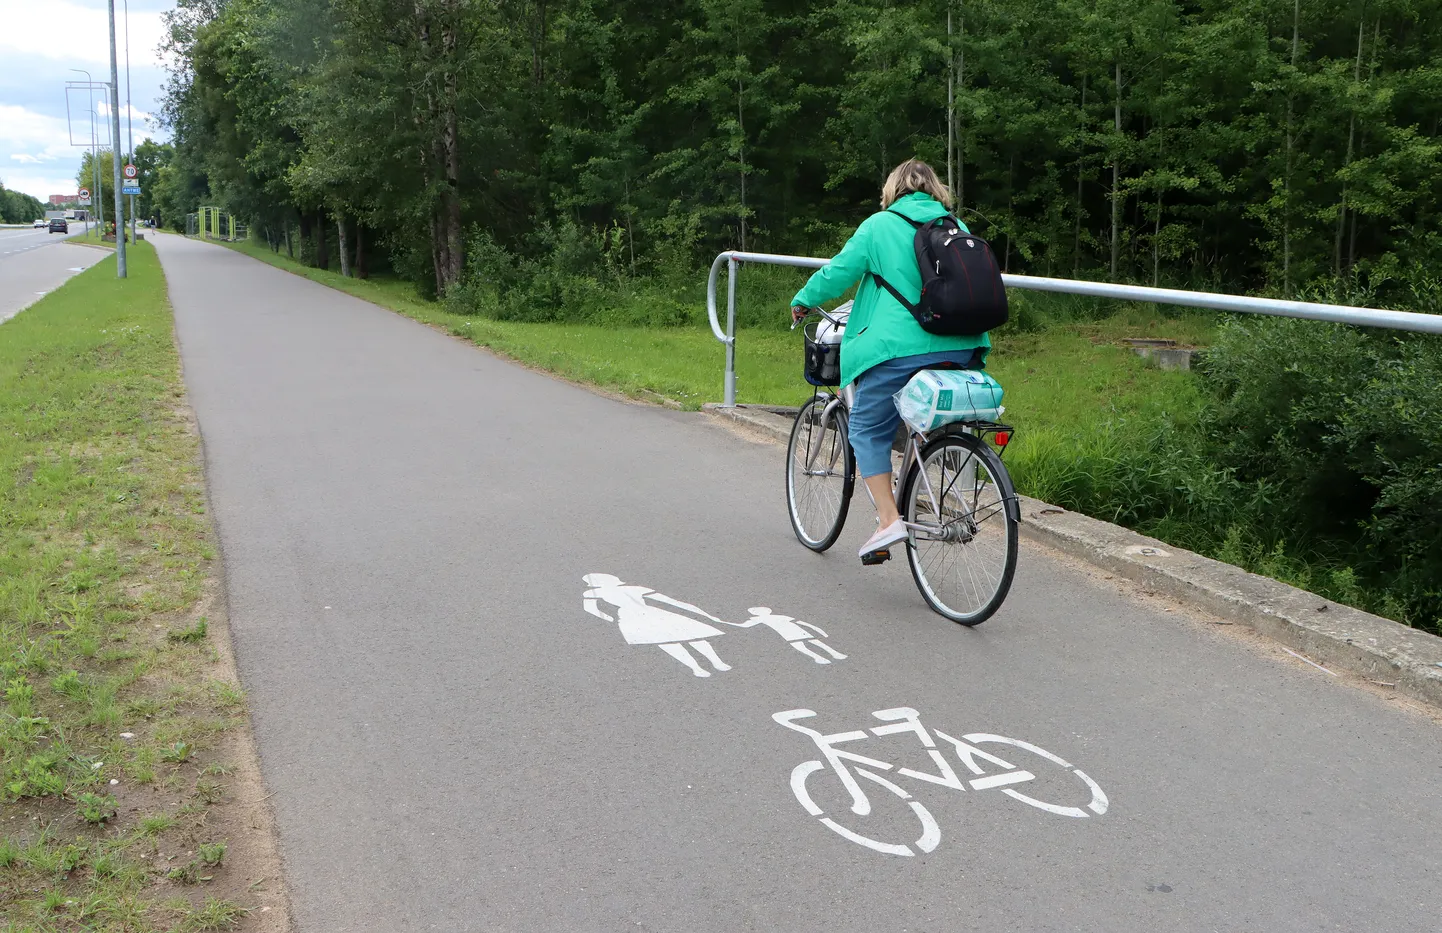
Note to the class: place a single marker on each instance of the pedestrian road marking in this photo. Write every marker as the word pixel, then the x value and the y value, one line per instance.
pixel 680 633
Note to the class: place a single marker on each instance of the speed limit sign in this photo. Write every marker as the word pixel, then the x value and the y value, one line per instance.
pixel 130 171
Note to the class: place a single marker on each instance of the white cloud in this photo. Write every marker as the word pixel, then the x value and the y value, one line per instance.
pixel 77 31
pixel 30 138
pixel 139 116
pixel 25 130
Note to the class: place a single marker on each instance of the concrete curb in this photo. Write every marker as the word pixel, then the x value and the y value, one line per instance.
pixel 1336 636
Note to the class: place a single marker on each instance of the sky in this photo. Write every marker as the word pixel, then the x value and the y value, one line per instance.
pixel 40 40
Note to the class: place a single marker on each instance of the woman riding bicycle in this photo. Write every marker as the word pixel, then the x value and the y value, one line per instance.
pixel 884 346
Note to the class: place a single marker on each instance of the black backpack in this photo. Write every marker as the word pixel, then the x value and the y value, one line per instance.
pixel 961 289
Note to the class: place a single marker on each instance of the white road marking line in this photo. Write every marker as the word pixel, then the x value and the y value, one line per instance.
pixel 1001 780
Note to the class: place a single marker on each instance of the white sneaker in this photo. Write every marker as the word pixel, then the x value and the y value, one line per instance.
pixel 885 538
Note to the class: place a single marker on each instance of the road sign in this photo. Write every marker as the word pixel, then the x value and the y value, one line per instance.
pixel 84 196
pixel 130 171
pixel 129 189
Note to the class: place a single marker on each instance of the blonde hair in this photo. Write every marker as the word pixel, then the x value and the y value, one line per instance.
pixel 913 175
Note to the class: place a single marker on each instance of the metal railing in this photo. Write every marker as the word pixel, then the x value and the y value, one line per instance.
pixel 1310 310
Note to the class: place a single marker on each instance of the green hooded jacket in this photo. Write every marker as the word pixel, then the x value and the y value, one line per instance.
pixel 880 328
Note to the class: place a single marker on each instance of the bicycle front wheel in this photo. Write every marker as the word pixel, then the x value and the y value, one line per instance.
pixel 960 500
pixel 820 474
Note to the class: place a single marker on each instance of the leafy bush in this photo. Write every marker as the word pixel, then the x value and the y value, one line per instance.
pixel 1340 429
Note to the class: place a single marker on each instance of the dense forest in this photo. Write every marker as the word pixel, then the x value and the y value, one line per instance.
pixel 1271 146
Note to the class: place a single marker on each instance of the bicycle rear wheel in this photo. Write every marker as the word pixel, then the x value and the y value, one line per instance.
pixel 820 474
pixel 963 555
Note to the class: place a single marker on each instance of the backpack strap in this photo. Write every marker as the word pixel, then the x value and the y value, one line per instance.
pixel 894 293
pixel 918 224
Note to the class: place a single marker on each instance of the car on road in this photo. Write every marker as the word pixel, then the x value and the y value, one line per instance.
pixel 40 222
pixel 58 225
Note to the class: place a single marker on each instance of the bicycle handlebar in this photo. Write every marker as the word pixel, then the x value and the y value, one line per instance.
pixel 821 312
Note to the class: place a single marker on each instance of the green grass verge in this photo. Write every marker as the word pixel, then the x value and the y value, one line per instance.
pixel 114 703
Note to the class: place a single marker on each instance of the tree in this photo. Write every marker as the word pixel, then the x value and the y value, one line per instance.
pixel 16 207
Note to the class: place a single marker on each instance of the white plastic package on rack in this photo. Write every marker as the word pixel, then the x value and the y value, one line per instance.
pixel 935 397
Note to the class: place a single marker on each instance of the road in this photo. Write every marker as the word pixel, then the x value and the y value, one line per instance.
pixel 455 743
pixel 34 262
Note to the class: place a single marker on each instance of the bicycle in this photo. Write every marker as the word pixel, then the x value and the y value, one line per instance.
pixel 991 771
pixel 952 492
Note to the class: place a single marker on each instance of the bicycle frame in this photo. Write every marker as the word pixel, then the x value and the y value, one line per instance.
pixel 912 454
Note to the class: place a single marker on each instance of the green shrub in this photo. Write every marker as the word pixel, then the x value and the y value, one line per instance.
pixel 1340 431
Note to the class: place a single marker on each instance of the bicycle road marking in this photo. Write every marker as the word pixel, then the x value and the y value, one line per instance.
pixel 847 766
pixel 674 626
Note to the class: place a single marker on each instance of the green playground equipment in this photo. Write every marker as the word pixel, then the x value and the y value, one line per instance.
pixel 211 223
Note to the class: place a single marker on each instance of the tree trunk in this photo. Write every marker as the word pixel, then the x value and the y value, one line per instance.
pixel 342 240
pixel 1010 210
pixel 451 201
pixel 950 103
pixel 1291 144
pixel 1076 237
pixel 305 237
pixel 741 154
pixel 961 137
pixel 1156 242
pixel 1117 178
pixel 538 45
pixel 322 250
pixel 361 272
pixel 444 157
pixel 1361 147
pixel 1351 140
pixel 289 246
pixel 630 234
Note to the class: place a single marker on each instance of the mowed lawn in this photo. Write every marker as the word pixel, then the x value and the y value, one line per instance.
pixel 119 708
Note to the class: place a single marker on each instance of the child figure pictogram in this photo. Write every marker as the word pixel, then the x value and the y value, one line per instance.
pixel 800 635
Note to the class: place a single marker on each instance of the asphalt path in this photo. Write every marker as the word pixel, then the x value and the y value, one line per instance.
pixel 455 743
pixel 36 262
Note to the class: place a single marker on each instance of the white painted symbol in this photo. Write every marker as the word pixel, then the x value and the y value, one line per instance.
pixel 643 623
pixel 802 636
pixel 991 772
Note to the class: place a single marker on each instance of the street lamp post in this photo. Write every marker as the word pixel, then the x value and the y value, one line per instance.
pixel 120 265
pixel 96 193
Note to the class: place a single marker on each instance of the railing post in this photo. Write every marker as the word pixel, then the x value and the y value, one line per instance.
pixel 730 396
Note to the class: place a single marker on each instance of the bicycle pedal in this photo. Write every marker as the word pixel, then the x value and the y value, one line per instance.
pixel 876 557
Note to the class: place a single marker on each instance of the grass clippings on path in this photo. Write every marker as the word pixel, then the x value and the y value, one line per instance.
pixel 129 799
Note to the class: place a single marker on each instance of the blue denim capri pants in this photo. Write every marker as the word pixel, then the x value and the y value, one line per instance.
pixel 874 417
